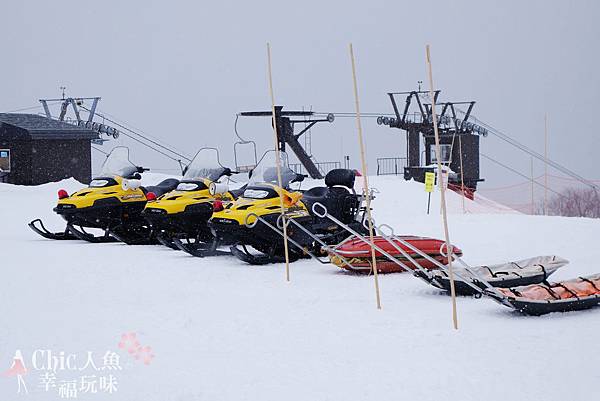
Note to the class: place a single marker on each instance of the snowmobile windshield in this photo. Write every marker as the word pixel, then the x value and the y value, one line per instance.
pixel 205 165
pixel 266 170
pixel 117 164
pixel 189 186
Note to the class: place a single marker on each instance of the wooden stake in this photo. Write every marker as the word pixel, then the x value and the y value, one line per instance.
pixel 365 179
pixel 546 164
pixel 442 190
pixel 278 164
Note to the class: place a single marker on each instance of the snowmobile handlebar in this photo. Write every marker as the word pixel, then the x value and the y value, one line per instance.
pixel 299 178
pixel 228 172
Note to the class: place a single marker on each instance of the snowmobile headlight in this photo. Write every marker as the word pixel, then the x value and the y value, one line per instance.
pixel 218 188
pixel 130 184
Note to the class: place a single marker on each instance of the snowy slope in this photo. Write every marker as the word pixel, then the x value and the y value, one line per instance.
pixel 223 330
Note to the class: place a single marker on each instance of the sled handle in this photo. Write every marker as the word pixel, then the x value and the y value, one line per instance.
pixel 386 226
pixel 315 207
pixel 365 223
pixel 442 250
pixel 251 225
pixel 279 223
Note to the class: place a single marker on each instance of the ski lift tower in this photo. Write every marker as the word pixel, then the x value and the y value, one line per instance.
pixel 286 136
pixel 76 104
pixel 459 138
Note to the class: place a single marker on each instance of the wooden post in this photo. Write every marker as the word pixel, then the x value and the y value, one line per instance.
pixel 545 164
pixel 278 164
pixel 442 190
pixel 365 178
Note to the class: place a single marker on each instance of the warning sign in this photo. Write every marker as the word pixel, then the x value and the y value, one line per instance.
pixel 5 160
pixel 429 181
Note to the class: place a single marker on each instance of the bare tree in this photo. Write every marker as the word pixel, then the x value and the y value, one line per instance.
pixel 575 202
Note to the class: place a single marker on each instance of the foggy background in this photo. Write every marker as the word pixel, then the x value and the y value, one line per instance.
pixel 180 71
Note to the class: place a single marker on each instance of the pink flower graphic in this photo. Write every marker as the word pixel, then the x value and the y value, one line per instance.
pixel 130 343
pixel 145 355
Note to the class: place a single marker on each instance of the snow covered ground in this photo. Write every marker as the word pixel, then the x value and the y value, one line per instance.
pixel 223 330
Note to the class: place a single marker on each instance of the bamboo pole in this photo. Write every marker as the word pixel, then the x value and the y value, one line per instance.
pixel 545 164
pixel 278 165
pixel 365 177
pixel 442 190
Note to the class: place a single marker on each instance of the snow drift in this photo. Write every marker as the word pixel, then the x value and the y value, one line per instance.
pixel 223 330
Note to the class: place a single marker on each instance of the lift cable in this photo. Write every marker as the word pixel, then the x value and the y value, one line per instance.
pixel 520 174
pixel 533 153
pixel 140 132
pixel 499 134
pixel 145 138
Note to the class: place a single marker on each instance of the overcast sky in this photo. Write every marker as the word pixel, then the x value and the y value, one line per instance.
pixel 181 70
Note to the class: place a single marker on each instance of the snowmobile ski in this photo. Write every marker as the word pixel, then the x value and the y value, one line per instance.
pixel 41 230
pixel 85 236
pixel 199 249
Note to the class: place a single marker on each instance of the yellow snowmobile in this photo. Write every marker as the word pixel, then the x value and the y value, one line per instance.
pixel 113 202
pixel 254 219
pixel 179 218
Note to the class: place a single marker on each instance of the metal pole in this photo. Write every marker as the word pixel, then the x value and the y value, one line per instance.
pixel 365 179
pixel 462 176
pixel 532 189
pixel 442 189
pixel 278 163
pixel 428 201
pixel 546 164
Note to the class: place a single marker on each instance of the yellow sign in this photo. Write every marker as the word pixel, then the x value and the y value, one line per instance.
pixel 429 181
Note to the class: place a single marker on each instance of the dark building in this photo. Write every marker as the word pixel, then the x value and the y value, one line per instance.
pixel 460 152
pixel 38 150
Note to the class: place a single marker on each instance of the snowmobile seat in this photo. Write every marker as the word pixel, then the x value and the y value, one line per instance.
pixel 335 199
pixel 340 177
pixel 162 187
